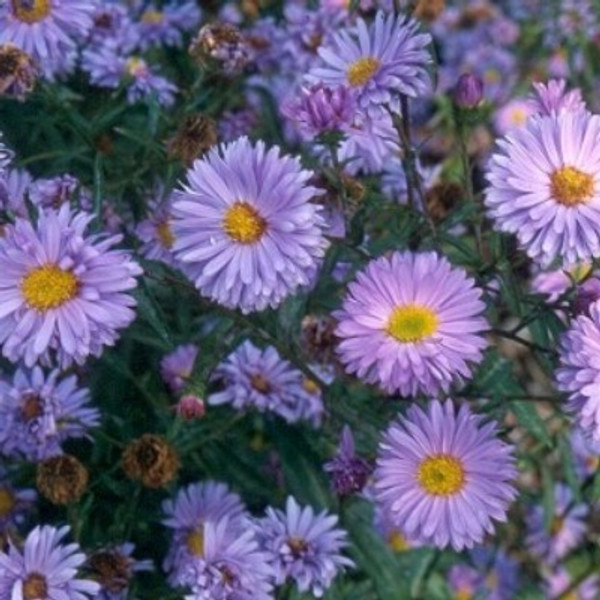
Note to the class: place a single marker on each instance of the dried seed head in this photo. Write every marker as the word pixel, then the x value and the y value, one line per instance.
pixel 62 479
pixel 429 10
pixel 18 72
pixel 221 44
pixel 196 135
pixel 112 569
pixel 151 460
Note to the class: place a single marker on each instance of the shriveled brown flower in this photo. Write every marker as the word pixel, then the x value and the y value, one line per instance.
pixel 221 44
pixel 318 339
pixel 442 198
pixel 151 460
pixel 111 569
pixel 197 134
pixel 62 479
pixel 429 10
pixel 18 72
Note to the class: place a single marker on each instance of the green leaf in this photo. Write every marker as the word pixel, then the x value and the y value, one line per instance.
pixel 528 418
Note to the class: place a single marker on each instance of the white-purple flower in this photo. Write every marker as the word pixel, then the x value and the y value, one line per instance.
pixel 177 366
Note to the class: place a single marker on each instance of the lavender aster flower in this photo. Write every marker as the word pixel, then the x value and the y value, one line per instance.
pixel 177 366
pixel 443 476
pixel 553 97
pixel 62 294
pixel 303 546
pixel 166 26
pixel 349 472
pixel 586 454
pixel 56 191
pixel 500 573
pixel 39 412
pixel 379 61
pixel 512 115
pixel 245 230
pixel 411 323
pixel 47 30
pixel 578 374
pixel 545 187
pixel 14 503
pixel 45 568
pixel 559 581
pixel 464 582
pixel 321 109
pixel 566 530
pixel 261 379
pixel 156 234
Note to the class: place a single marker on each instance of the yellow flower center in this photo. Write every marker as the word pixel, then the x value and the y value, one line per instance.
pixel 49 287
pixel 260 383
pixel 571 596
pixel 412 323
pixel 35 587
pixel 195 542
pixel 441 475
pixel 361 70
pixel 7 501
pixel 165 235
pixel 557 525
pixel 31 11
pixel 570 186
pixel 243 224
pixel 310 386
pixel 580 272
pixel 518 116
pixel 397 542
pixel 463 593
pixel 152 17
pixel 135 66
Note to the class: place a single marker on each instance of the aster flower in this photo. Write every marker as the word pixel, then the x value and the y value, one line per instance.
pixel 177 366
pixel 112 21
pixel 552 97
pixel 46 568
pixel 15 503
pixel 348 471
pixel 47 30
pixel 578 374
pixel 586 454
pixel 155 231
pixel 17 182
pixel 245 230
pixel 559 581
pixel 379 61
pixel 512 115
pixel 394 535
pixel 64 294
pixel 499 572
pixel 566 530
pixel 411 323
pixel 108 66
pixel 464 582
pixel 444 476
pixel 544 186
pixel 165 26
pixel 261 379
pixel 321 109
pixel 227 565
pixel 56 191
pixel 223 45
pixel 39 412
pixel 238 123
pixel 303 546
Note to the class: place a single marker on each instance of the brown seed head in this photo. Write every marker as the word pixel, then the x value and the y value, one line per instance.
pixel 151 460
pixel 197 134
pixel 62 479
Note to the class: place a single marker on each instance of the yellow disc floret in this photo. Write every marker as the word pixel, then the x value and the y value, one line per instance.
pixel 570 186
pixel 243 223
pixel 49 287
pixel 362 70
pixel 31 11
pixel 412 323
pixel 441 475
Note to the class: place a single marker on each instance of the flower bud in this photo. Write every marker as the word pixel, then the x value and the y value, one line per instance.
pixel 190 407
pixel 468 92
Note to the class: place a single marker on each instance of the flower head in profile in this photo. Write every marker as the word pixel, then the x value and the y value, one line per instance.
pixel 39 412
pixel 177 366
pixel 47 30
pixel 45 568
pixel 155 232
pixel 246 232
pixel 379 61
pixel 559 582
pixel 436 467
pixel 254 378
pixel 18 72
pixel 15 503
pixel 545 186
pixel 567 528
pixel 53 192
pixel 586 453
pixel 303 546
pixel 411 323
pixel 553 97
pixel 578 375
pixel 64 293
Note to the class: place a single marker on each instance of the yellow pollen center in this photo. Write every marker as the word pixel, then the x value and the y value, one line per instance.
pixel 397 542
pixel 571 596
pixel 7 501
pixel 152 17
pixel 463 593
pixel 310 386
pixel 165 235
pixel 441 475
pixel 570 186
pixel 519 116
pixel 31 11
pixel 362 70
pixel 412 323
pixel 35 587
pixel 243 224
pixel 49 287
pixel 195 542
pixel 557 525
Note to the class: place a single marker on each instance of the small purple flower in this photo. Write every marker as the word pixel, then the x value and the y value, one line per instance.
pixel 436 467
pixel 113 25
pixel 464 582
pixel 261 379
pixel 513 114
pixel 559 581
pixel 45 568
pixel 321 109
pixel 64 293
pixel 586 454
pixel 155 232
pixel 38 413
pixel 303 546
pixel 567 528
pixel 411 323
pixel 544 186
pixel 246 231
pixel 165 26
pixel 190 407
pixel 238 123
pixel 379 61
pixel 393 534
pixel 56 191
pixel 500 572
pixel 177 366
pixel 552 97
pixel 17 183
pixel 578 374
pixel 348 471
pixel 15 503
pixel 468 92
